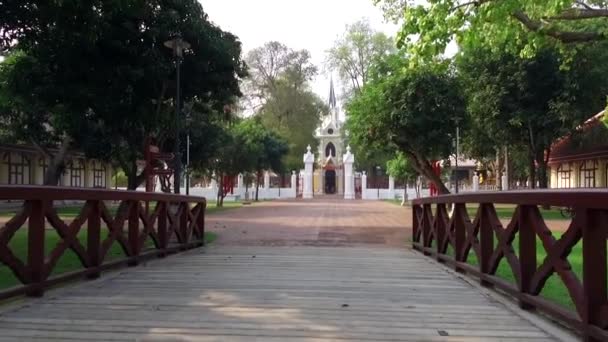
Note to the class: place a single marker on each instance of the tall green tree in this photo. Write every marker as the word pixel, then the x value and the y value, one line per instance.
pixel 268 149
pixel 279 93
pixel 248 147
pixel 401 170
pixel 412 112
pixel 531 102
pixel 427 27
pixel 354 52
pixel 100 69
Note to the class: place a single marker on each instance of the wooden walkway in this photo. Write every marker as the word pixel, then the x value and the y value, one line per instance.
pixel 272 294
pixel 280 271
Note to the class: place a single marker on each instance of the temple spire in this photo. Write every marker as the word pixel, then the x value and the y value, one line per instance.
pixel 332 94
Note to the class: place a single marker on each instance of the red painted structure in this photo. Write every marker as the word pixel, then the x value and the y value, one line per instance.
pixel 155 165
pixel 435 232
pixel 228 185
pixel 436 165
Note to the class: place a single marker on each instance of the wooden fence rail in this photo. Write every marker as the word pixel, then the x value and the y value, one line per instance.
pixel 450 237
pixel 172 222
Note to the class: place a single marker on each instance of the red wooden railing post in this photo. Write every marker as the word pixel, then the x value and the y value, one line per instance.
pixel 527 250
pixel 35 248
pixel 440 229
pixel 486 241
pixel 427 226
pixel 134 233
pixel 460 211
pixel 201 221
pixel 594 266
pixel 94 238
pixel 163 240
pixel 183 222
pixel 415 224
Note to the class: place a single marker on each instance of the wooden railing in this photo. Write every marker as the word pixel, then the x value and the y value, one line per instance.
pixel 172 222
pixel 451 238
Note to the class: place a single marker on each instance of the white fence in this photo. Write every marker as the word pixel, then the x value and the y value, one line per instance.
pixel 239 194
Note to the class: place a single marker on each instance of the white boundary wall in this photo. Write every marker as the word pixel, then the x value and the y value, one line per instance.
pixel 265 191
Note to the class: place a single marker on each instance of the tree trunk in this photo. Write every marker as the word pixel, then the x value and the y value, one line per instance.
pixel 57 161
pixel 500 164
pixel 220 190
pixel 134 180
pixel 257 186
pixel 423 167
pixel 541 174
pixel 532 169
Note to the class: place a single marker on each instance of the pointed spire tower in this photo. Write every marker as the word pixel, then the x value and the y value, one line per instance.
pixel 333 102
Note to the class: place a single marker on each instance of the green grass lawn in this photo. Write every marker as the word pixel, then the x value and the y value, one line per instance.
pixel 73 210
pixel 505 211
pixel 68 261
pixel 64 211
pixel 554 289
pixel 397 202
pixel 212 208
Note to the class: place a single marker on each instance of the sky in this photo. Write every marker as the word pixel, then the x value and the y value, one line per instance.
pixel 300 24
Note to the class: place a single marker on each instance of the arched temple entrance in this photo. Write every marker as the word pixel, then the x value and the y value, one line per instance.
pixel 330 181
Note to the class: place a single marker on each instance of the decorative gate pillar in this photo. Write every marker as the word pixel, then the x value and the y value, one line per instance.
pixel 240 181
pixel 349 179
pixel 391 187
pixel 364 185
pixel 293 181
pixel 213 184
pixel 309 160
pixel 476 183
pixel 505 182
pixel 266 180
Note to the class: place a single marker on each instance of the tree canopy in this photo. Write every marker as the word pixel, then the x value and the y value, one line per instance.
pixel 248 147
pixel 279 93
pixel 354 53
pixel 529 102
pixel 428 27
pixel 99 74
pixel 413 112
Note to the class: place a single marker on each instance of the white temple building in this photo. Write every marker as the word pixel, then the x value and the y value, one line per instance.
pixel 329 172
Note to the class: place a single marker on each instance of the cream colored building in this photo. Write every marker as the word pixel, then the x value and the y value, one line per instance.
pixel 328 176
pixel 581 160
pixel 25 165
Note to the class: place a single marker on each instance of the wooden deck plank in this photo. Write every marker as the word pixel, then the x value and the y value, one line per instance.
pixel 297 293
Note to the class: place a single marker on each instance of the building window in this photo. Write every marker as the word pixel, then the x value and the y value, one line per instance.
pixel 563 176
pixel 99 175
pixel 18 165
pixel 587 174
pixel 76 173
pixel 330 150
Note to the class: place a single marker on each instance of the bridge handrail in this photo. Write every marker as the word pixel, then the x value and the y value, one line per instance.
pixel 443 229
pixel 173 223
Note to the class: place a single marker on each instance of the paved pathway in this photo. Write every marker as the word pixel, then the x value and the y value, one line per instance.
pixel 320 222
pixel 332 277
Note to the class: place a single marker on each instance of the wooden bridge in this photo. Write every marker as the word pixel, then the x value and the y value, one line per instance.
pixel 321 270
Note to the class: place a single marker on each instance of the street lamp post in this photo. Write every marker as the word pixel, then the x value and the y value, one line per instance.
pixel 188 162
pixel 457 153
pixel 177 45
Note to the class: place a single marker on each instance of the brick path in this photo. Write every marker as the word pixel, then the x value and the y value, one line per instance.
pixel 320 222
